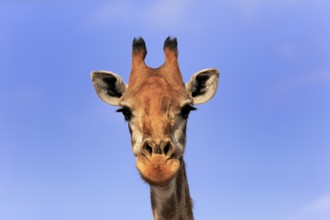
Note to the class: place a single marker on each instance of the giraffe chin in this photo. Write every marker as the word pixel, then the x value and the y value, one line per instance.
pixel 158 170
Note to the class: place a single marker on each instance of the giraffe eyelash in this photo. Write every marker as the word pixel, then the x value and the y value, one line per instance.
pixel 185 110
pixel 126 112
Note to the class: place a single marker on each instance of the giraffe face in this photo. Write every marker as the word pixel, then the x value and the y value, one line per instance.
pixel 157 115
pixel 156 105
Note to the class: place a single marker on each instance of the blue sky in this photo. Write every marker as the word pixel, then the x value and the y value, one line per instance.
pixel 260 150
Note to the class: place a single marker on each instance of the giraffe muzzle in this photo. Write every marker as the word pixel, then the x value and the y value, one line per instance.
pixel 157 163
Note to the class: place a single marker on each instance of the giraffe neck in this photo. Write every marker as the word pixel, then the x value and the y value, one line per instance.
pixel 172 201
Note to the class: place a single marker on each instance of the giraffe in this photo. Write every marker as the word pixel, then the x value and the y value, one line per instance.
pixel 156 104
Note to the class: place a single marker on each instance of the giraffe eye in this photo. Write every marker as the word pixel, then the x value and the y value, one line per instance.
pixel 126 112
pixel 186 110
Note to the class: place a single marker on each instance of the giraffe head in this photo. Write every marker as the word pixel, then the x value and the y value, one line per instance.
pixel 156 104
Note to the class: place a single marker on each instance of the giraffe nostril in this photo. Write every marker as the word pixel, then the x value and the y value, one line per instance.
pixel 167 148
pixel 149 149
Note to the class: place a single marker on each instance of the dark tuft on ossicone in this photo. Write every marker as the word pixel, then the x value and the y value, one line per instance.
pixel 139 46
pixel 171 43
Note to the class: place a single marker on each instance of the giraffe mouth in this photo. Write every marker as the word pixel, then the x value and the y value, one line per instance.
pixel 158 169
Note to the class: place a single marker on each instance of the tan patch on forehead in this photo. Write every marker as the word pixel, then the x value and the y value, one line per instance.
pixel 165 104
pixel 156 104
pixel 155 81
pixel 146 101
pixel 156 94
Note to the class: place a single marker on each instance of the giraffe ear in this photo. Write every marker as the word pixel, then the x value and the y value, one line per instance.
pixel 203 85
pixel 108 86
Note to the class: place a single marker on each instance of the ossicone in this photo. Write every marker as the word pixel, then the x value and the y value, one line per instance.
pixel 139 47
pixel 171 43
pixel 171 49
